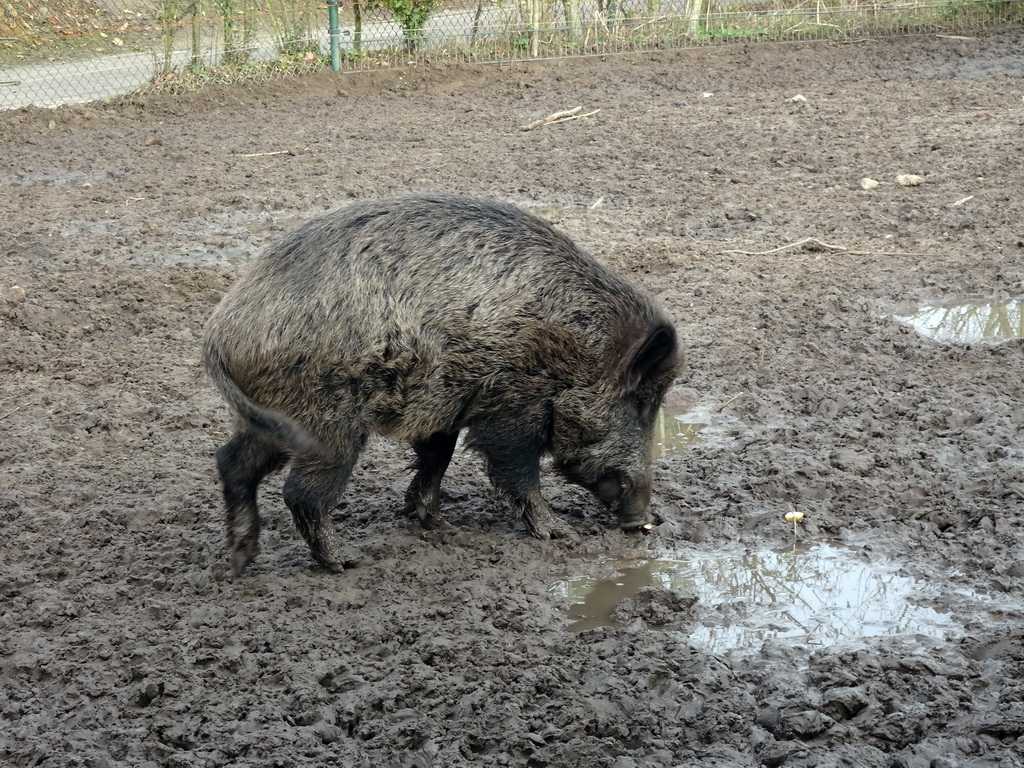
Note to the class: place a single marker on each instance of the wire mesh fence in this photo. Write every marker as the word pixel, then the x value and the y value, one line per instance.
pixel 65 51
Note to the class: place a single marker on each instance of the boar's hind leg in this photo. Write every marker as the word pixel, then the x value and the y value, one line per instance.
pixel 424 495
pixel 313 488
pixel 242 463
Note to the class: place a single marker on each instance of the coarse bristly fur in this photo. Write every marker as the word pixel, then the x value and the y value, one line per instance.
pixel 418 317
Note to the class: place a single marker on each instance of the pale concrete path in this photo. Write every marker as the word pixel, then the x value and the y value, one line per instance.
pixel 52 84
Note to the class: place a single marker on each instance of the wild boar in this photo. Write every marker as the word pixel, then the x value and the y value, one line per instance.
pixel 420 317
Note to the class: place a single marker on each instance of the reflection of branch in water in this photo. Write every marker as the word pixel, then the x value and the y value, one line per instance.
pixel 972 321
pixel 673 575
pixel 672 435
pixel 736 582
pixel 790 580
pixel 824 594
pixel 808 631
pixel 759 580
pixel 811 586
pixel 1005 321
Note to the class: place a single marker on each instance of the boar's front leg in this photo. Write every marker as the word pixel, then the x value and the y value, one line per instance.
pixel 540 520
pixel 513 463
pixel 424 495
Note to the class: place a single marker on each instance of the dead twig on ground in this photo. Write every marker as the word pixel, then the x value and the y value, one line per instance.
pixel 729 402
pixel 294 151
pixel 12 411
pixel 575 117
pixel 797 244
pixel 837 249
pixel 559 117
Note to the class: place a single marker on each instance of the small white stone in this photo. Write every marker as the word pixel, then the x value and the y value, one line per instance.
pixel 867 183
pixel 908 180
pixel 14 295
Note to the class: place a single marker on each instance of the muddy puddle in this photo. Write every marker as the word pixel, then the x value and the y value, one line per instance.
pixel 674 432
pixel 557 210
pixel 966 321
pixel 815 596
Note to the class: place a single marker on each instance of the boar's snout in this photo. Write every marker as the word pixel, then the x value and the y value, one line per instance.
pixel 634 509
pixel 634 503
pixel 628 496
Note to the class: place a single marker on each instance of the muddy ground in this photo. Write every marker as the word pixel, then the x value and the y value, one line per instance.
pixel 125 641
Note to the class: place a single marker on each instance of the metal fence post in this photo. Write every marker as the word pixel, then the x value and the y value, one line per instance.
pixel 334 32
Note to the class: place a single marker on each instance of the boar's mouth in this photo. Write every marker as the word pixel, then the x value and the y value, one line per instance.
pixel 624 496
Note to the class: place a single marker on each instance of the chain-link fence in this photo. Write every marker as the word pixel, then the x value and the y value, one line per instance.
pixel 66 51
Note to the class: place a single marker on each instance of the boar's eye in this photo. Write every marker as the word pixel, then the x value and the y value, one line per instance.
pixel 646 408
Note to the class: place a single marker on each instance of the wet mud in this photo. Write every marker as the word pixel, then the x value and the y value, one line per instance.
pixel 124 639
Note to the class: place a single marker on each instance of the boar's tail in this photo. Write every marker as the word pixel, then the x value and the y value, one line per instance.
pixel 286 432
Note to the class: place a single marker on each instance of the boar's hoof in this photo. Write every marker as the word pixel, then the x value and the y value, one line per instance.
pixel 546 527
pixel 242 554
pixel 341 558
pixel 328 559
pixel 334 566
pixel 324 544
pixel 428 515
pixel 434 523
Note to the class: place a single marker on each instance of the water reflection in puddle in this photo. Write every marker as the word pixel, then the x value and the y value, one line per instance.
pixel 967 322
pixel 819 597
pixel 672 434
pixel 552 213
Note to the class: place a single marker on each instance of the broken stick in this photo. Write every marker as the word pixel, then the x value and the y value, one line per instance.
pixel 293 151
pixel 558 117
pixel 573 117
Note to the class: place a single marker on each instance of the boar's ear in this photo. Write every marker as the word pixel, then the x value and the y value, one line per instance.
pixel 658 355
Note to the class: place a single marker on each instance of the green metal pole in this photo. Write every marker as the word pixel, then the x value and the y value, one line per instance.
pixel 334 32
